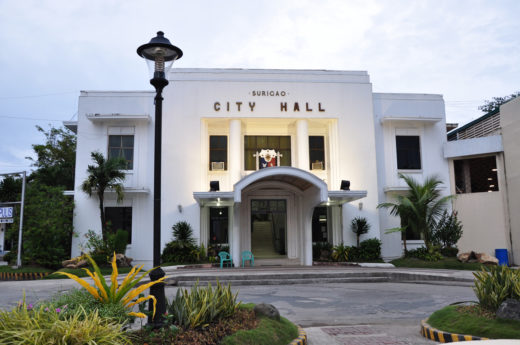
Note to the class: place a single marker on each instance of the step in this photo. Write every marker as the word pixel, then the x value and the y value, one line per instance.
pixel 290 281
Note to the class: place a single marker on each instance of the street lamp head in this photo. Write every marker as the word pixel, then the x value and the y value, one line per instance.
pixel 159 54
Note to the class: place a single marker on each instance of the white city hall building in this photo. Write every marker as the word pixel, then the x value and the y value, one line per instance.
pixel 278 142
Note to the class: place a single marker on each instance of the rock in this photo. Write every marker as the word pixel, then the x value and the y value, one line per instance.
pixel 68 262
pixel 267 310
pixel 123 261
pixel 463 257
pixel 484 258
pixel 509 309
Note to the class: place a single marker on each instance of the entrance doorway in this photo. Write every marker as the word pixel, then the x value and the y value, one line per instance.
pixel 268 228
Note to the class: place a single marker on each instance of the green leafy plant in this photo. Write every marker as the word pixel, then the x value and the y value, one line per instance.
pixel 123 293
pixel 105 174
pixel 183 233
pixel 340 252
pixel 25 325
pixel 370 249
pixel 495 284
pixel 202 305
pixel 183 248
pixel 47 226
pixel 321 250
pixel 448 230
pixel 359 226
pixel 75 299
pixel 100 250
pixel 422 253
pixel 420 208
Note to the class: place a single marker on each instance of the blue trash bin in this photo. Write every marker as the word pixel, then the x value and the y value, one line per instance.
pixel 501 255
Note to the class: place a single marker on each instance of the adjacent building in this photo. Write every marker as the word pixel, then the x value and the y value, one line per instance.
pixel 484 160
pixel 264 160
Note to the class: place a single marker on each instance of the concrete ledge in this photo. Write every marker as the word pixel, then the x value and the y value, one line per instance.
pixel 431 333
pixel 302 338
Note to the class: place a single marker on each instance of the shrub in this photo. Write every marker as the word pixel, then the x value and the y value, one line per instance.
pixel 450 252
pixel 101 250
pixel 359 226
pixel 183 233
pixel 11 257
pixel 76 299
pixel 448 230
pixel 422 253
pixel 321 250
pixel 24 325
pixel 495 284
pixel 175 252
pixel 370 249
pixel 341 252
pixel 201 306
pixel 123 294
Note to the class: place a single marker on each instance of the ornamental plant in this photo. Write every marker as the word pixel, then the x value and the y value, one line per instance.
pixel 495 284
pixel 123 294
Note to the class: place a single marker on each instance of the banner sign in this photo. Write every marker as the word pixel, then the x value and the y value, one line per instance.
pixel 6 212
pixel 6 220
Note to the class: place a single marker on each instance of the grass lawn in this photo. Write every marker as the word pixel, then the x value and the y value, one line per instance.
pixel 106 271
pixel 25 269
pixel 446 263
pixel 472 321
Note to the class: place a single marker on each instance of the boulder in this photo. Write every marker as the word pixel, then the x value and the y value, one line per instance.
pixel 123 261
pixel 509 309
pixel 463 257
pixel 267 310
pixel 484 258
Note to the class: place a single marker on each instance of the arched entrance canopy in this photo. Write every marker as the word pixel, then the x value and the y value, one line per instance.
pixel 301 179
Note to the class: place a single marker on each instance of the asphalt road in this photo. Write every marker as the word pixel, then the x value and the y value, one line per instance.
pixel 390 309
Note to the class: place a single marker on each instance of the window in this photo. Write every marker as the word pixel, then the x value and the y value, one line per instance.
pixel 218 152
pixel 319 224
pixel 253 144
pixel 218 225
pixel 317 152
pixel 476 175
pixel 122 146
pixel 408 152
pixel 120 218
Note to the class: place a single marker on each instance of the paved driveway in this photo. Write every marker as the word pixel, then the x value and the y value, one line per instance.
pixel 337 313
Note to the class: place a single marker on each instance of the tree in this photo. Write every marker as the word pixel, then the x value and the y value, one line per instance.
pixel 359 226
pixel 106 174
pixel 495 104
pixel 56 159
pixel 420 208
pixel 10 189
pixel 47 226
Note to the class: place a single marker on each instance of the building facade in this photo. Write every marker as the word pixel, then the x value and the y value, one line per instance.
pixel 256 159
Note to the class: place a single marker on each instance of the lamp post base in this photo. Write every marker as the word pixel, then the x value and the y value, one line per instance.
pixel 157 291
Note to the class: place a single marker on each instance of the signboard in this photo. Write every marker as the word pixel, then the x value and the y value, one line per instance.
pixel 6 212
pixel 6 220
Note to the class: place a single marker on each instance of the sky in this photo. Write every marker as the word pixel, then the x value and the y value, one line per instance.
pixel 50 50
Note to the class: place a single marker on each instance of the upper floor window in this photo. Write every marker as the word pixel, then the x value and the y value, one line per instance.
pixel 253 144
pixel 408 152
pixel 476 175
pixel 317 152
pixel 122 146
pixel 218 152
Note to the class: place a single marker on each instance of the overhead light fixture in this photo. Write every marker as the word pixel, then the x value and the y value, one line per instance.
pixel 491 185
pixel 214 186
pixel 490 179
pixel 495 169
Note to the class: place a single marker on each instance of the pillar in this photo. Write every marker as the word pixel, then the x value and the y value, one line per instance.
pixel 234 157
pixel 302 144
pixel 337 225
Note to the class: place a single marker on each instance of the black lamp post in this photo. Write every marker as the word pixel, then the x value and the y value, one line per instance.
pixel 160 55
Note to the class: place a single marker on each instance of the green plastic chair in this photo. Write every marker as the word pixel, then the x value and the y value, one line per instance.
pixel 248 256
pixel 224 257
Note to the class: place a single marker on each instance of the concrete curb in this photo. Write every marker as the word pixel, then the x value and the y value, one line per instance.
pixel 431 333
pixel 23 276
pixel 302 338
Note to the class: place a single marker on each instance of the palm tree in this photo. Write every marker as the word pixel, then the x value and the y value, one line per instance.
pixel 420 208
pixel 359 226
pixel 107 173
